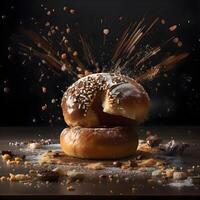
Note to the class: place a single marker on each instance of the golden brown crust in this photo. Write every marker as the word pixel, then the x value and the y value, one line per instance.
pixel 105 99
pixel 99 143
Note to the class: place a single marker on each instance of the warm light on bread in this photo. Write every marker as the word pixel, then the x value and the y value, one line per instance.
pixel 101 110
pixel 105 99
pixel 99 143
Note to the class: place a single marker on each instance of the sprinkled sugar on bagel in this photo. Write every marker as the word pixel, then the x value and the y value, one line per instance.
pixel 105 99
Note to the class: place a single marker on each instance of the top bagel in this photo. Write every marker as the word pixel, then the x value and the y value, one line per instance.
pixel 105 99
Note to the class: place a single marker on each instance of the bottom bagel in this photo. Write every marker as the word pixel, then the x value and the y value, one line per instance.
pixel 99 143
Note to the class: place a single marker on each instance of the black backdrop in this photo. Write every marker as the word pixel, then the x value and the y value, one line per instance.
pixel 20 98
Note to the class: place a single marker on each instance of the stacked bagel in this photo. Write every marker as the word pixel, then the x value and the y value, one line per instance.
pixel 102 111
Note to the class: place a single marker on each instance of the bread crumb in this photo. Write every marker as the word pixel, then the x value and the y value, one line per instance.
pixel 95 166
pixel 18 159
pixel 70 188
pixel 34 145
pixel 12 162
pixel 169 173
pixel 18 177
pixel 72 11
pixel 106 31
pixel 6 157
pixel 150 162
pixel 173 28
pixel 3 178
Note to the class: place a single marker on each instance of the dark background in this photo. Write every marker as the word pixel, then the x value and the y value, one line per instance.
pixel 20 92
